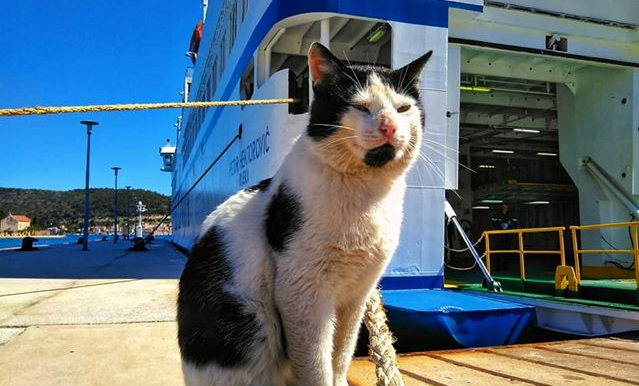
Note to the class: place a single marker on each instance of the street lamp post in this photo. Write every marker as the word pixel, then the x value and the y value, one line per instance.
pixel 128 202
pixel 85 238
pixel 115 209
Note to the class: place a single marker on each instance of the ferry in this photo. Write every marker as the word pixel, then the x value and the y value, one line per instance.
pixel 533 103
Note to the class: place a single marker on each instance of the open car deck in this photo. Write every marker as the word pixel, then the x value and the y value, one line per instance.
pixel 601 361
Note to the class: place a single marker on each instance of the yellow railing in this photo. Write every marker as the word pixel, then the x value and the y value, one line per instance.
pixel 521 251
pixel 634 251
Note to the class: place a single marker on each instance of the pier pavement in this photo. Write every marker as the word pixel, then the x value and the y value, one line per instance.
pixel 100 317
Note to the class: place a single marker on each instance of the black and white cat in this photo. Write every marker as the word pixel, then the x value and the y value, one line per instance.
pixel 273 292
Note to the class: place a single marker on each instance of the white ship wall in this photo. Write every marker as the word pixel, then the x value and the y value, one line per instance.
pixel 420 252
pixel 599 118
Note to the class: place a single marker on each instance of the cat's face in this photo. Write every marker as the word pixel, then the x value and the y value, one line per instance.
pixel 364 117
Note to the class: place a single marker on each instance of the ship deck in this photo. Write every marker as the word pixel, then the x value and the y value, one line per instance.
pixel 597 361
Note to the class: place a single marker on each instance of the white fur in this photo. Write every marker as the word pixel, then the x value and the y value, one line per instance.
pixel 352 216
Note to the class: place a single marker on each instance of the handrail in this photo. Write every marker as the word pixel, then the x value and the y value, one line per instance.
pixel 526 230
pixel 491 283
pixel 521 251
pixel 604 226
pixel 633 225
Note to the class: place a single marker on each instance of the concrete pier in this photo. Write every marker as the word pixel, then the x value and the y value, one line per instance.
pixel 102 317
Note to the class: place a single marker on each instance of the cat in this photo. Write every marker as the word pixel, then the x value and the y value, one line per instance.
pixel 274 289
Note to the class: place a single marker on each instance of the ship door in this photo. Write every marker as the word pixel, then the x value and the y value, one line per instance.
pixel 509 147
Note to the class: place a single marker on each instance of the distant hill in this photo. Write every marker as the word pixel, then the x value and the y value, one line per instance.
pixel 55 208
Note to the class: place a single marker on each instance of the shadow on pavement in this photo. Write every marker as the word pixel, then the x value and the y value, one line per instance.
pixel 103 260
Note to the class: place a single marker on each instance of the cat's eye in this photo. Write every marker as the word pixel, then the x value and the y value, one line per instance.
pixel 403 109
pixel 362 108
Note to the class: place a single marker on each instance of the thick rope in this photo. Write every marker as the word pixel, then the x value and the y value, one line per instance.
pixel 381 340
pixel 40 110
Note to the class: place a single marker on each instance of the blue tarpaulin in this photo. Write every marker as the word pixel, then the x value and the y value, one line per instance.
pixel 423 319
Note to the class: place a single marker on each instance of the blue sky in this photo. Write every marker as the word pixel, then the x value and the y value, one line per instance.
pixel 76 52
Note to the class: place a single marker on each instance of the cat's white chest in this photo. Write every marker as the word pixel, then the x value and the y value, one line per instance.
pixel 353 248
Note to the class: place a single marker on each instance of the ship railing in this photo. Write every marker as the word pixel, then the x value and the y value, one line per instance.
pixel 521 251
pixel 632 226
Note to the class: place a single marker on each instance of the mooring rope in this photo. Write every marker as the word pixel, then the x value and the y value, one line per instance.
pixel 380 347
pixel 40 110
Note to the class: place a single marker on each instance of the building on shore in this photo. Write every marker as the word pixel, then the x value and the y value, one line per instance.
pixel 14 223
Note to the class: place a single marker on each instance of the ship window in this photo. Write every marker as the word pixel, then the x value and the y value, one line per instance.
pixel 244 9
pixel 233 25
pixel 222 53
pixel 207 91
pixel 247 82
pixel 213 78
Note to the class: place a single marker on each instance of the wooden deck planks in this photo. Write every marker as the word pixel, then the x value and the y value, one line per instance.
pixel 527 370
pixel 595 352
pixel 448 373
pixel 598 368
pixel 419 372
pixel 615 343
pixel 609 361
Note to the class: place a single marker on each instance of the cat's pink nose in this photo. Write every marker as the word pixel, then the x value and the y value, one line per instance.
pixel 388 129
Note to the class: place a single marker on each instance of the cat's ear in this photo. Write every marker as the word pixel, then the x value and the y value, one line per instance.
pixel 322 63
pixel 408 76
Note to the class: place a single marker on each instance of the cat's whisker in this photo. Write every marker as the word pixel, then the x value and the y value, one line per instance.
pixel 434 167
pixel 355 81
pixel 330 125
pixel 456 194
pixel 422 180
pixel 430 162
pixel 438 173
pixel 453 160
pixel 359 84
pixel 335 141
pixel 401 82
pixel 429 133
pixel 441 152
pixel 441 145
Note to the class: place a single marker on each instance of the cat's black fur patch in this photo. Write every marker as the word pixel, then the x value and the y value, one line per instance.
pixel 331 101
pixel 283 218
pixel 261 186
pixel 213 327
pixel 379 156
